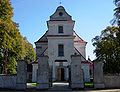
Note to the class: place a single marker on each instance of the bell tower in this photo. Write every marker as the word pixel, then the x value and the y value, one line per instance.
pixel 60 42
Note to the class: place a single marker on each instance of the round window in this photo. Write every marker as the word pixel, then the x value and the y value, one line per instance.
pixel 60 13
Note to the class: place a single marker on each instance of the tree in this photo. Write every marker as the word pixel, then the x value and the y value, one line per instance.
pixel 6 26
pixel 116 19
pixel 30 54
pixel 107 49
pixel 12 44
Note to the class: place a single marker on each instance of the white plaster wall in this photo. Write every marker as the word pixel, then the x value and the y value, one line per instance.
pixel 67 27
pixel 34 72
pixel 86 72
pixel 53 48
pixel 53 51
pixel 81 47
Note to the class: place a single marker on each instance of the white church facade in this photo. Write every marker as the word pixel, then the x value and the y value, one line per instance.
pixel 59 43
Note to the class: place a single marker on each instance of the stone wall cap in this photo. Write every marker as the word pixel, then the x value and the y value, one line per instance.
pixel 43 56
pixel 34 62
pixel 22 61
pixel 8 74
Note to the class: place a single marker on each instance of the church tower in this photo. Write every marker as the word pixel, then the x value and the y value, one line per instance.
pixel 60 42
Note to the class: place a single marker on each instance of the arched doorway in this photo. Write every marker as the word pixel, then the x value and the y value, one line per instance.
pixel 60 74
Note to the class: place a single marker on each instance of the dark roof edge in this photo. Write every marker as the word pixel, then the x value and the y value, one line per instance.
pixel 80 37
pixel 79 53
pixel 41 38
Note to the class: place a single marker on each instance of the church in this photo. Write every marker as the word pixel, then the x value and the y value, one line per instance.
pixel 59 42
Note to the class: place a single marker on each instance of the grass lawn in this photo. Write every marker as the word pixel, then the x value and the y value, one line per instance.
pixel 89 84
pixel 34 84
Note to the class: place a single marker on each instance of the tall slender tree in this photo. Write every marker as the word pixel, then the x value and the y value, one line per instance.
pixel 107 45
pixel 116 19
pixel 12 44
pixel 6 26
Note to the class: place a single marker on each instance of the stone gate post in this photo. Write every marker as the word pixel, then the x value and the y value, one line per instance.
pixel 43 76
pixel 76 72
pixel 98 75
pixel 21 81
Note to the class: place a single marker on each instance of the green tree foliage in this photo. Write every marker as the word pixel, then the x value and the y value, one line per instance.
pixel 30 54
pixel 116 19
pixel 13 46
pixel 107 49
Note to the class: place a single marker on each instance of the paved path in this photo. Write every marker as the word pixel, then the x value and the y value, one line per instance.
pixel 58 86
pixel 29 86
pixel 110 90
pixel 62 87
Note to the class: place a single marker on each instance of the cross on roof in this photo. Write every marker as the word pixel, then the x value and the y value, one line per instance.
pixel 60 2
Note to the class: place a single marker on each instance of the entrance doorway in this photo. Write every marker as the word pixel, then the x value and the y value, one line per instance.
pixel 61 74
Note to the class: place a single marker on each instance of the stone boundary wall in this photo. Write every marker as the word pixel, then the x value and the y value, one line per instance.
pixel 8 81
pixel 15 81
pixel 112 81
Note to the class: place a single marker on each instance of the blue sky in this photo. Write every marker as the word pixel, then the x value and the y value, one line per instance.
pixel 91 16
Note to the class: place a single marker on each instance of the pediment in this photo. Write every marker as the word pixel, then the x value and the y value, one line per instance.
pixel 60 15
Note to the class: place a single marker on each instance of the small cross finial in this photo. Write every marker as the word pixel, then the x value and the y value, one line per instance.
pixel 60 2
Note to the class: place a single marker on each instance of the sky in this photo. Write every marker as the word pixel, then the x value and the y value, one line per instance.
pixel 91 17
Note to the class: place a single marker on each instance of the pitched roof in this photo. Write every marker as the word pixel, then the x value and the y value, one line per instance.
pixel 43 38
pixel 79 53
pixel 79 38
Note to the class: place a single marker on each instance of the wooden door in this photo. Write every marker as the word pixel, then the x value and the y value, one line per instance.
pixel 60 74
